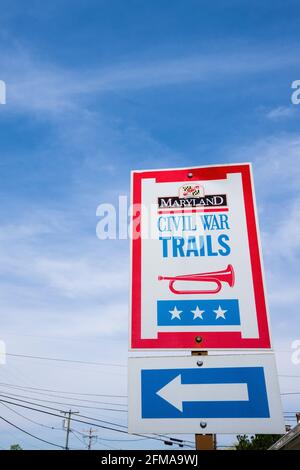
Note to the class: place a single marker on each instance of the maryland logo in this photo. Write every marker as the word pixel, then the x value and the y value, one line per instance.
pixel 191 195
pixel 191 190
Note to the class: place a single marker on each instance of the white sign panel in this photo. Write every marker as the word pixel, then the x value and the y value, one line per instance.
pixel 197 278
pixel 205 394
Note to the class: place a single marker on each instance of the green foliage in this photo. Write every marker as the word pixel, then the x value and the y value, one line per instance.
pixel 257 442
pixel 15 447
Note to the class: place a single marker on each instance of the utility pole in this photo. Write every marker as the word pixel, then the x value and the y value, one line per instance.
pixel 90 437
pixel 68 415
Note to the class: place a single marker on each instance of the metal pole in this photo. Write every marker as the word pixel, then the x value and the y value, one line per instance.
pixel 68 419
pixel 90 437
pixel 204 441
pixel 68 429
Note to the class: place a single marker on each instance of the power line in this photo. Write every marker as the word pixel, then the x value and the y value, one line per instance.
pixel 64 398
pixel 21 387
pixel 35 388
pixel 61 411
pixel 123 431
pixel 124 440
pixel 291 376
pixel 53 409
pixel 108 447
pixel 67 404
pixel 83 406
pixel 81 416
pixel 72 430
pixel 77 437
pixel 102 421
pixel 29 433
pixel 29 402
pixel 176 440
pixel 61 391
pixel 57 359
pixel 30 420
pixel 117 440
pixel 73 419
pixel 104 364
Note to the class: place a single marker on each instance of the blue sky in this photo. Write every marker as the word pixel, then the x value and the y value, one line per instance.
pixel 94 90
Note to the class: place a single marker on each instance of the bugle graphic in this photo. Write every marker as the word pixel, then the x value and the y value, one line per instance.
pixel 216 277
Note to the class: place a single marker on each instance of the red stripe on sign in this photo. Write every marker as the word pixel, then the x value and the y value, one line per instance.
pixel 191 211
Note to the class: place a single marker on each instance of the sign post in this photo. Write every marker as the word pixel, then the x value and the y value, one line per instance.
pixel 204 441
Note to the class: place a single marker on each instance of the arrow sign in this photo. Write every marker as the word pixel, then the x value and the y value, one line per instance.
pixel 235 394
pixel 176 393
pixel 210 392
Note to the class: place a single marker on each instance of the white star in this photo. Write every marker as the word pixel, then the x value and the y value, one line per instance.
pixel 220 313
pixel 175 313
pixel 197 313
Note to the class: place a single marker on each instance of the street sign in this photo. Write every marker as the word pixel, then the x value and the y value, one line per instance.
pixel 205 394
pixel 197 280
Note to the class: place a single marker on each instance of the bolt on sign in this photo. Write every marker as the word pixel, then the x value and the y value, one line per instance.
pixel 197 276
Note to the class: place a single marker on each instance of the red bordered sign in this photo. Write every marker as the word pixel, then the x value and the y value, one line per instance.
pixel 197 280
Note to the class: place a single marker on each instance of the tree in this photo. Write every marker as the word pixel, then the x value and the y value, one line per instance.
pixel 15 447
pixel 256 442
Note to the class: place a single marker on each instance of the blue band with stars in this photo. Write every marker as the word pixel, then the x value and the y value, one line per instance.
pixel 198 312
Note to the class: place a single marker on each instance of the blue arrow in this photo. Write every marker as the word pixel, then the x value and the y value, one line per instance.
pixel 175 392
pixel 230 392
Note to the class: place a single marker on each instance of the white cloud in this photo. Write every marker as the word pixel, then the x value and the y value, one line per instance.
pixel 283 238
pixel 43 254
pixel 81 276
pixel 102 319
pixel 36 86
pixel 276 161
pixel 276 164
pixel 280 112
